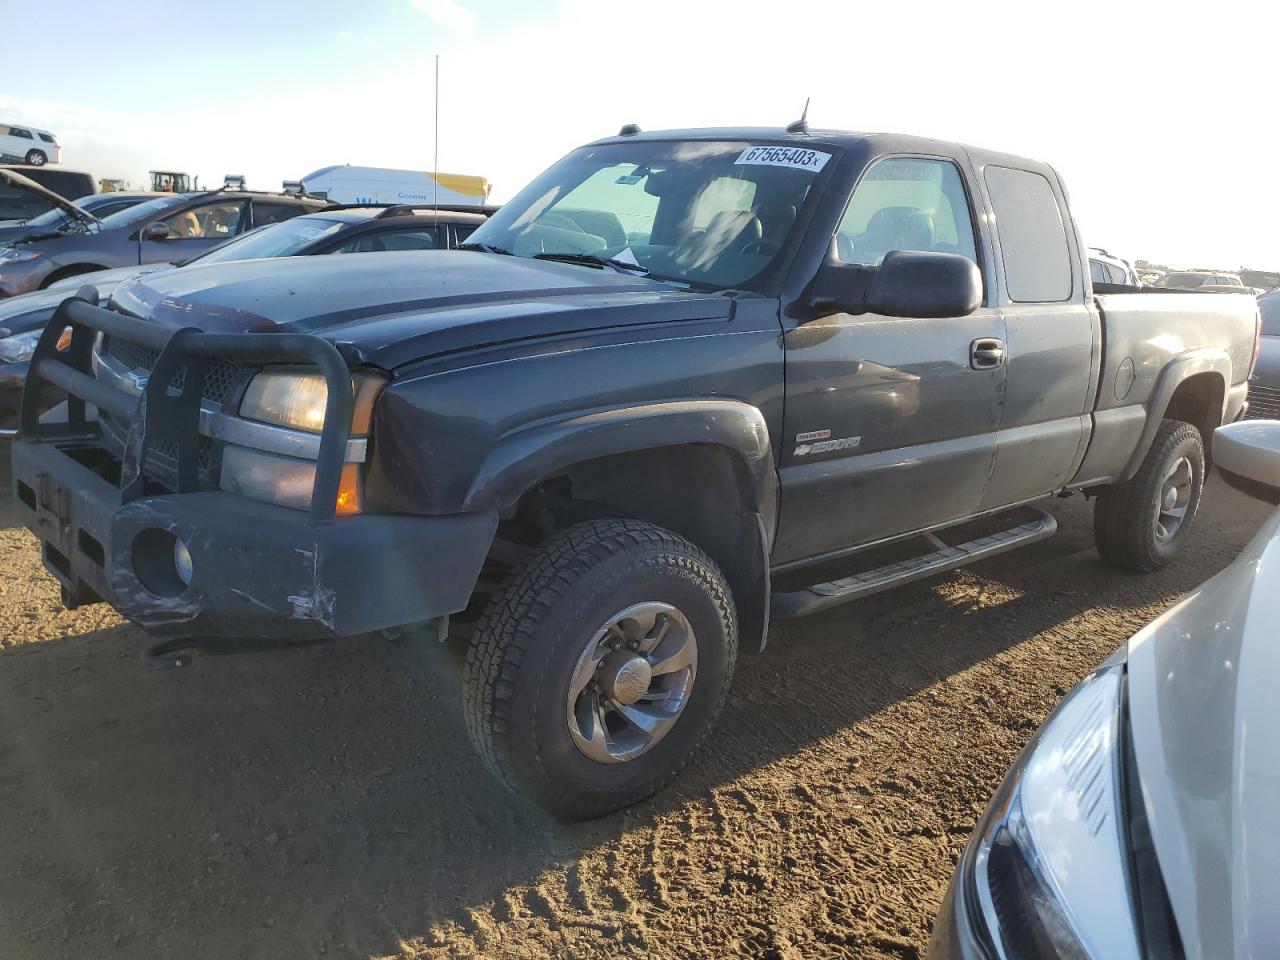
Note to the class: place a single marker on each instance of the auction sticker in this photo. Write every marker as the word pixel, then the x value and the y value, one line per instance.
pixel 798 158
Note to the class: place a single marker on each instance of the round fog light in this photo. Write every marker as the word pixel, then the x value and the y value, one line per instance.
pixel 182 561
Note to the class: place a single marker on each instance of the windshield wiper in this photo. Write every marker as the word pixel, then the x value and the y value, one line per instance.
pixel 621 266
pixel 484 248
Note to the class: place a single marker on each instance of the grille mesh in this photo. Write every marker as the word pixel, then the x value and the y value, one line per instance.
pixel 218 376
pixel 1264 403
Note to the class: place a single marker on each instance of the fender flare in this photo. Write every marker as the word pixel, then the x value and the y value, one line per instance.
pixel 1177 371
pixel 523 457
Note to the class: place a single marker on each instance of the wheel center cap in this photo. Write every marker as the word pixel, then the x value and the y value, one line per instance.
pixel 625 677
pixel 1170 498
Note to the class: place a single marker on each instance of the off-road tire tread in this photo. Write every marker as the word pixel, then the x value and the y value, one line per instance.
pixel 504 633
pixel 1122 521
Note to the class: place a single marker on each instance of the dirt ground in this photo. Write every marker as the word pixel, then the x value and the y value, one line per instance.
pixel 325 801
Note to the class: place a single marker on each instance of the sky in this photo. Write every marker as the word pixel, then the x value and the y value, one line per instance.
pixel 1161 117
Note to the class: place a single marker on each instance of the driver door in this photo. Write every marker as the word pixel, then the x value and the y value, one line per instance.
pixel 891 423
pixel 194 230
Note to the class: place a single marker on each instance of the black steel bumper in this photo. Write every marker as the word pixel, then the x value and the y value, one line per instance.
pixel 258 570
pixel 110 530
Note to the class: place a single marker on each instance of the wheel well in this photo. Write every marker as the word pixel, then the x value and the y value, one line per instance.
pixel 1198 401
pixel 73 271
pixel 700 491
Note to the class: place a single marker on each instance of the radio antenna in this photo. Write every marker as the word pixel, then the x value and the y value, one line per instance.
pixel 801 125
pixel 435 162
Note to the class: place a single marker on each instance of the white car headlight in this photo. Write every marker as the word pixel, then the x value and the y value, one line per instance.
pixel 19 347
pixel 1049 867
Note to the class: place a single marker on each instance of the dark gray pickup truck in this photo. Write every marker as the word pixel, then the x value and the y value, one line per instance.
pixel 682 383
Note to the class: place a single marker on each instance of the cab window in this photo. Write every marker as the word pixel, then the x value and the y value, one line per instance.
pixel 906 203
pixel 1033 236
pixel 210 221
pixel 417 239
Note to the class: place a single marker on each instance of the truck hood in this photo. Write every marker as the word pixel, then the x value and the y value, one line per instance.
pixel 1203 714
pixel 30 310
pixel 392 308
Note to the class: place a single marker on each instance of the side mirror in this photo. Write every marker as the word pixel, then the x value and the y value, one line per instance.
pixel 908 283
pixel 1247 454
pixel 155 231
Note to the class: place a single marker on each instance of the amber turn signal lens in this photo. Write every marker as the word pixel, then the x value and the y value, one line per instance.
pixel 349 498
pixel 64 340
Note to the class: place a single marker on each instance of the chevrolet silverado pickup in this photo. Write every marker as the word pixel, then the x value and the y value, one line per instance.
pixel 683 383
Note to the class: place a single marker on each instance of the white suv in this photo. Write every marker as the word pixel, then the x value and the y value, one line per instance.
pixel 28 145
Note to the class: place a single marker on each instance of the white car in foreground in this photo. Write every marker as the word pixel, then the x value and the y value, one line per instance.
pixel 1143 820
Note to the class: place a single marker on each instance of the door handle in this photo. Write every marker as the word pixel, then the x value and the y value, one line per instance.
pixel 985 353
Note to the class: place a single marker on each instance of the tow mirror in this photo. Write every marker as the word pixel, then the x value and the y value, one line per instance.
pixel 155 231
pixel 1247 454
pixel 907 283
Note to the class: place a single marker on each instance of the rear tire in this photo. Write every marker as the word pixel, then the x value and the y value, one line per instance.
pixel 1141 524
pixel 558 703
pixel 37 158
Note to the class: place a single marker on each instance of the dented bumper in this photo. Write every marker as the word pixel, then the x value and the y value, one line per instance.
pixel 256 570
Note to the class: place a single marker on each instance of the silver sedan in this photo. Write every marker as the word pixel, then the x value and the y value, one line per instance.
pixel 1141 821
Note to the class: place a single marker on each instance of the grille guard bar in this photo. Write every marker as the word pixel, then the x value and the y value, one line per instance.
pixel 162 414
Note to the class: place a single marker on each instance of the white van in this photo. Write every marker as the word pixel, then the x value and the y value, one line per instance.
pixel 348 184
pixel 28 145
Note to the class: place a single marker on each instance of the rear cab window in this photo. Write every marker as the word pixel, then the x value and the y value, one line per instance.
pixel 1034 246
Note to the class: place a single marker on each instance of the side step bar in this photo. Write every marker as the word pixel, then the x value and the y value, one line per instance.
pixel 822 596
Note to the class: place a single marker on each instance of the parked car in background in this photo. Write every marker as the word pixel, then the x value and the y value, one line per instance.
pixel 645 409
pixel 1140 820
pixel 165 229
pixel 71 184
pixel 348 184
pixel 336 231
pixel 1105 268
pixel 1193 280
pixel 31 145
pixel 1264 385
pixel 63 216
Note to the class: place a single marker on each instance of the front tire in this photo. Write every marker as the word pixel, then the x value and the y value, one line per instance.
pixel 37 158
pixel 599 666
pixel 1141 524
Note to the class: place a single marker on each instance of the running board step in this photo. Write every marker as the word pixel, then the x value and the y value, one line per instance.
pixel 822 596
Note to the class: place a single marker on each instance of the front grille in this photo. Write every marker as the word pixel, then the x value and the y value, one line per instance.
pixel 218 376
pixel 1264 402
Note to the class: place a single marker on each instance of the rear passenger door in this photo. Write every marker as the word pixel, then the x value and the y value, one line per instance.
pixel 1052 336
pixel 891 423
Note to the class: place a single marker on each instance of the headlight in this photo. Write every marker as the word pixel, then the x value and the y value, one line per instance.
pixel 297 399
pixel 18 348
pixel 1049 867
pixel 14 255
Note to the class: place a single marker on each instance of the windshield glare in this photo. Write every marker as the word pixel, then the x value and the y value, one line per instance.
pixel 705 214
pixel 282 239
pixel 140 211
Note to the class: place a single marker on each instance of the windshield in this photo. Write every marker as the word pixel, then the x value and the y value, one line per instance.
pixel 705 214
pixel 276 240
pixel 142 211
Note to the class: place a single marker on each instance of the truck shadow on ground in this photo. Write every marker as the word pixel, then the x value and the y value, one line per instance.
pixel 326 801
